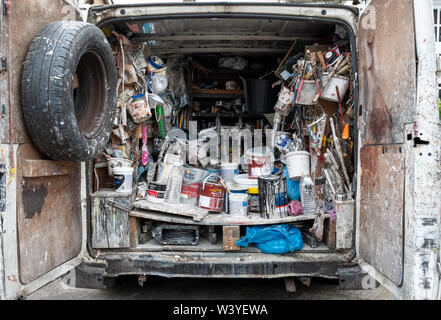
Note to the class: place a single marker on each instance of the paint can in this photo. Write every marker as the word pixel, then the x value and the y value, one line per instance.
pixel 118 163
pixel 156 192
pixel 260 162
pixel 191 185
pixel 123 179
pixel 273 197
pixel 297 163
pixel 214 167
pixel 253 200
pixel 238 204
pixel 229 170
pixel 212 194
pixel 234 189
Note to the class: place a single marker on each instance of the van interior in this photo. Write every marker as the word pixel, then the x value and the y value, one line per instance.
pixel 211 74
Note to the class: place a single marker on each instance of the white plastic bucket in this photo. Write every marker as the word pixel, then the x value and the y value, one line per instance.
pixel 260 162
pixel 123 178
pixel 238 204
pixel 118 163
pixel 243 180
pixel 229 170
pixel 297 164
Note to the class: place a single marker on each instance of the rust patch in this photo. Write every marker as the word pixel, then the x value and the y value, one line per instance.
pixel 13 278
pixel 33 199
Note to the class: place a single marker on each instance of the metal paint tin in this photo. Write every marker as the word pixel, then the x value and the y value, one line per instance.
pixel 273 197
pixel 212 195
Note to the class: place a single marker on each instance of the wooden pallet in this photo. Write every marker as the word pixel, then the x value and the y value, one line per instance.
pixel 195 213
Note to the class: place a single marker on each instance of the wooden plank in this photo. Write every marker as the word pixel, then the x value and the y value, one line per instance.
pixel 219 219
pixel 204 245
pixel 230 235
pixel 344 211
pixel 135 230
pixel 176 209
pixel 217 91
pixel 110 222
pixel 329 237
pixel 46 168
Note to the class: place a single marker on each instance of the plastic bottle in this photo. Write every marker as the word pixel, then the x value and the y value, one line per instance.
pixel 307 196
pixel 175 184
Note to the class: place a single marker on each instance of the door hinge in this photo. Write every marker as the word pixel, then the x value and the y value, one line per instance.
pixel 6 5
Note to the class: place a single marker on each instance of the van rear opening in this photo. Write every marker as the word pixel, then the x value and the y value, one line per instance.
pixel 219 79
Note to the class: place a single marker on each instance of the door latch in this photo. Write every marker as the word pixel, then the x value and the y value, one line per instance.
pixel 4 65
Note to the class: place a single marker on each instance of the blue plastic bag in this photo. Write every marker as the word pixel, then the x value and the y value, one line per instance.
pixel 293 187
pixel 282 238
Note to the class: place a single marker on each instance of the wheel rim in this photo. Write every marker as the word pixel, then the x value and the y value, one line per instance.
pixel 89 94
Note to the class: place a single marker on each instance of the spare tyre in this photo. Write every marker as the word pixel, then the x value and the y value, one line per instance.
pixel 69 91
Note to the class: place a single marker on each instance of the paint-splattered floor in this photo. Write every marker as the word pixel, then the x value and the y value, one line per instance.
pixel 156 288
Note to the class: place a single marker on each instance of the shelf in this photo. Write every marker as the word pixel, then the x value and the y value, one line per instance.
pixel 174 209
pixel 205 246
pixel 217 93
pixel 219 219
pixel 227 115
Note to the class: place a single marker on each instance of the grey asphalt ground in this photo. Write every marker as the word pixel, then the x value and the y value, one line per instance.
pixel 157 288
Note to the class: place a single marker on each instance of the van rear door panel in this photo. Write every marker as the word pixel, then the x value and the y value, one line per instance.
pixel 43 222
pixel 387 78
pixel 48 213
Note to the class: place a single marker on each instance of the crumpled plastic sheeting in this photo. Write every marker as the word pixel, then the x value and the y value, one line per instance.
pixel 277 239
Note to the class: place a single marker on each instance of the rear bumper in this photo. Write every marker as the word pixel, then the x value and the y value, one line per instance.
pixel 223 265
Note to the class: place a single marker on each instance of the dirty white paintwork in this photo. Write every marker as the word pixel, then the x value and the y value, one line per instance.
pixel 12 287
pixel 331 13
pixel 423 187
pixel 344 211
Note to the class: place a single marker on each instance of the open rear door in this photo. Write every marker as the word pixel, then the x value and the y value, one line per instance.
pixel 43 223
pixel 387 78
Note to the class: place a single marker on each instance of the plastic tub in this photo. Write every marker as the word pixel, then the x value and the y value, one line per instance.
pixel 243 180
pixel 260 162
pixel 229 170
pixel 123 179
pixel 118 163
pixel 297 164
pixel 238 204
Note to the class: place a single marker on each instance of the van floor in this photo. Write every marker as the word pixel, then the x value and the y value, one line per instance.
pixel 158 288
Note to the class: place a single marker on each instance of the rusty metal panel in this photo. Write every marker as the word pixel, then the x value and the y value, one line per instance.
pixel 48 218
pixel 387 71
pixel 382 209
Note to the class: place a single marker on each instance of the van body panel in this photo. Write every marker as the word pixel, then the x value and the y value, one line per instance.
pixel 102 14
pixel 387 82
pixel 419 142
pixel 43 226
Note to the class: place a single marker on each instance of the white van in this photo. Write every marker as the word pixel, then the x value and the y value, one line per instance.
pixel 50 137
